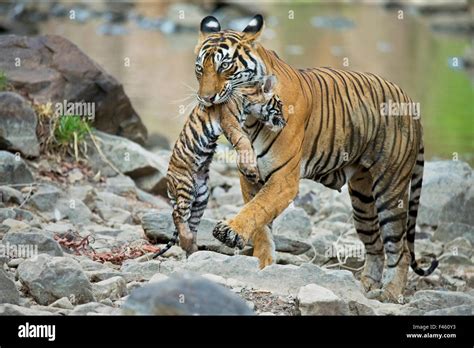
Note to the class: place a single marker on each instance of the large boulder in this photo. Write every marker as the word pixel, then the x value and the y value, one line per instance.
pixel 184 294
pixel 446 194
pixel 13 170
pixel 55 70
pixel 147 169
pixel 48 279
pixel 18 126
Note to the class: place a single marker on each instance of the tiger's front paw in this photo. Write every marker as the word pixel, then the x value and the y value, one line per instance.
pixel 224 233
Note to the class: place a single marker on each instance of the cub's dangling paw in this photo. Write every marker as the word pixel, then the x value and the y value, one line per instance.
pixel 250 172
pixel 276 123
pixel 224 233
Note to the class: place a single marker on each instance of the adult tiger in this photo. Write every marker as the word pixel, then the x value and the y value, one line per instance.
pixel 335 133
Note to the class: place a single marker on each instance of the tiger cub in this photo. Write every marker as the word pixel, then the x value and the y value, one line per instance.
pixel 188 171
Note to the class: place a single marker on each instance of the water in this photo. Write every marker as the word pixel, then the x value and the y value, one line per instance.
pixel 161 72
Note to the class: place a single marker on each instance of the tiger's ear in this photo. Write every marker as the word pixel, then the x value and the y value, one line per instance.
pixel 255 27
pixel 269 83
pixel 208 26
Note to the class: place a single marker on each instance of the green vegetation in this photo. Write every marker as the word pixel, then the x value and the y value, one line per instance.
pixel 3 81
pixel 70 129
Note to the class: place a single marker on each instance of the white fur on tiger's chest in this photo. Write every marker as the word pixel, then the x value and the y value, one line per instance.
pixel 265 164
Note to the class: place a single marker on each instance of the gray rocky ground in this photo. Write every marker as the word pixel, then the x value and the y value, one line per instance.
pixel 94 237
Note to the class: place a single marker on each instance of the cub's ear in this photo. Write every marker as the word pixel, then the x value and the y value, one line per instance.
pixel 269 83
pixel 208 26
pixel 255 27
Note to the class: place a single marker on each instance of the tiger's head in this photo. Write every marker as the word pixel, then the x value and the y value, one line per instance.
pixel 226 60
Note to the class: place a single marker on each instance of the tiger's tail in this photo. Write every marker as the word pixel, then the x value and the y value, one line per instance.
pixel 172 242
pixel 415 193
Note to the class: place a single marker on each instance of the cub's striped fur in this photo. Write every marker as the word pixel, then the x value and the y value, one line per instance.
pixel 188 171
pixel 335 134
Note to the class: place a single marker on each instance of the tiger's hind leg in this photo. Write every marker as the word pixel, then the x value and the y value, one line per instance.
pixel 197 211
pixel 392 208
pixel 366 224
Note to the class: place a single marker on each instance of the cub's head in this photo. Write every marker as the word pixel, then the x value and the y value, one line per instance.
pixel 226 59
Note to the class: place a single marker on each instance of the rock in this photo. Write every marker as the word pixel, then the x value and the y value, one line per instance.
pixel 8 290
pixel 232 196
pixel 10 195
pixel 158 277
pixel 15 225
pixel 109 199
pixel 157 141
pixel 246 269
pixel 309 202
pixel 322 241
pixel 72 209
pixel 112 288
pixel 158 226
pixel 7 213
pixel 102 274
pixel 18 126
pixel 140 270
pixel 12 309
pixel 55 70
pixel 147 169
pixel 215 278
pixel 45 198
pixel 460 207
pixel 94 308
pixel 450 258
pixel 14 263
pixel 121 185
pixel 293 222
pixel 289 245
pixel 426 247
pixel 49 278
pixel 456 310
pixel 184 294
pixel 443 181
pixel 13 170
pixel 447 231
pixel 115 215
pixel 63 303
pixel 157 201
pixel 316 300
pixel 459 245
pixel 290 259
pixel 31 241
pixel 80 192
pixel 430 300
